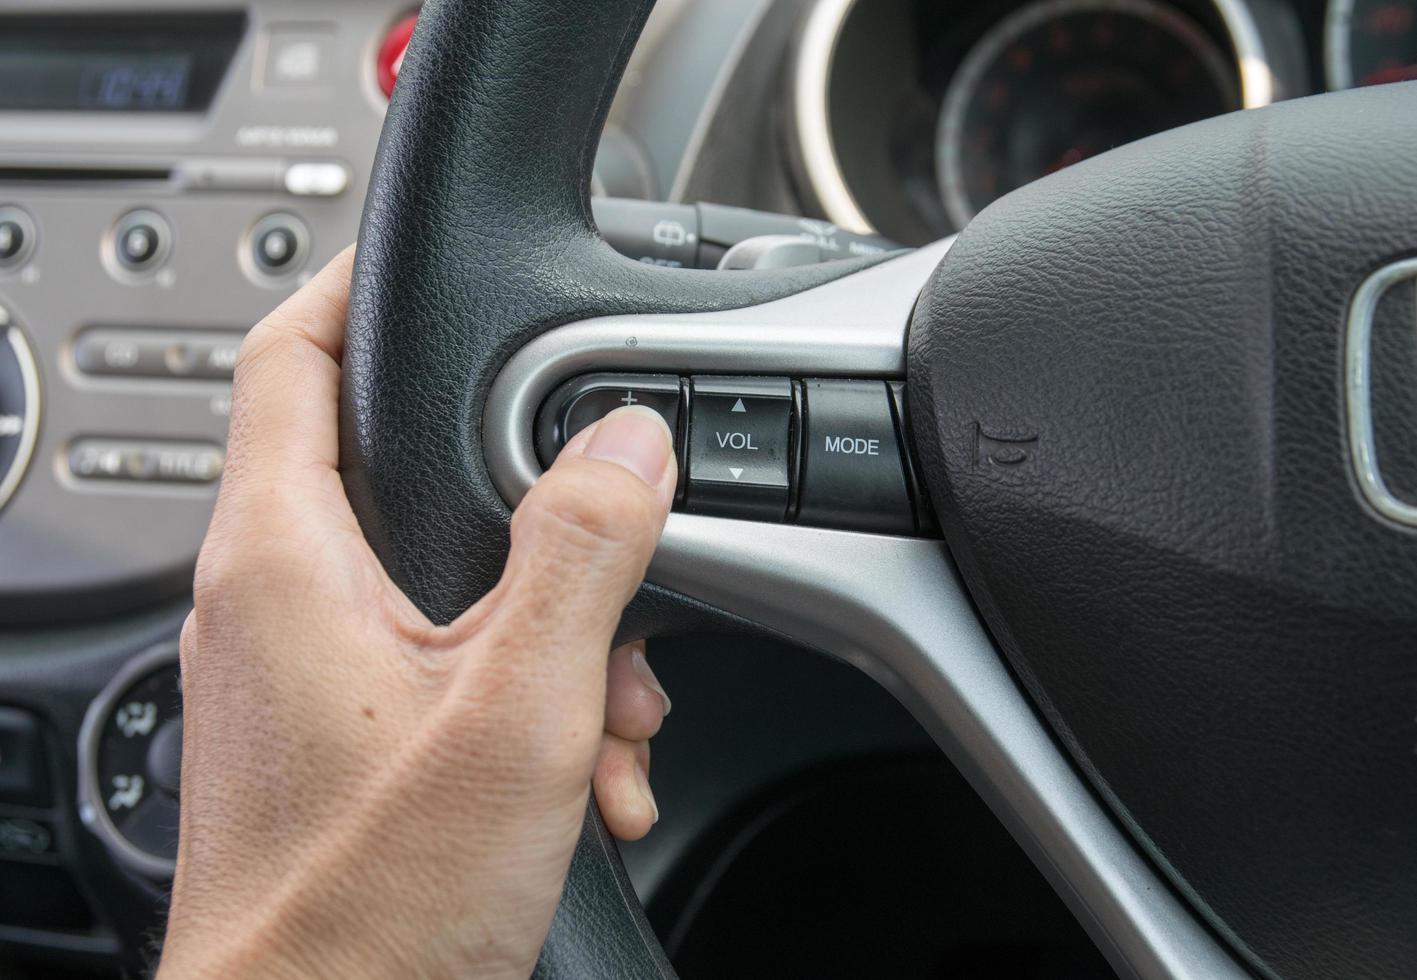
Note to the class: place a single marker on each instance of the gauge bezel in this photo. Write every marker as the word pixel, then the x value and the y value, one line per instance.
pixel 1338 44
pixel 812 71
pixel 92 812
pixel 985 52
pixel 29 433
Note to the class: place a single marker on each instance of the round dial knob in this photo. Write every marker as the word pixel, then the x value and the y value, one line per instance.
pixel 130 754
pixel 19 406
pixel 140 243
pixel 17 237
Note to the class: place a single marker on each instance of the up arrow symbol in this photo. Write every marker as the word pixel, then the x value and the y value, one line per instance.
pixel 737 471
pixel 738 406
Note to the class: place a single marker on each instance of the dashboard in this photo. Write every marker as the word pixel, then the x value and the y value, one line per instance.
pixel 170 171
pixel 910 117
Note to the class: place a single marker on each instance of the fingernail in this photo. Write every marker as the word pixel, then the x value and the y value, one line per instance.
pixel 643 780
pixel 646 675
pixel 635 437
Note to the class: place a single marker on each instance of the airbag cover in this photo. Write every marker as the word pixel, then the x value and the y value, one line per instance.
pixel 1129 385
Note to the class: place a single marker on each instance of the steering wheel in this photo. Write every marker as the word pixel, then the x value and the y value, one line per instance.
pixel 1163 406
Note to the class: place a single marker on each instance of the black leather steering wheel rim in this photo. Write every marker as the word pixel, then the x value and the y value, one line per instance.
pixel 477 236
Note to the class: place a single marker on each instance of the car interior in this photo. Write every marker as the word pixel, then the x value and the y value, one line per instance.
pixel 1065 627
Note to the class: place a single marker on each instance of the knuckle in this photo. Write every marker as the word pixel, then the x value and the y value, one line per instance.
pixel 217 576
pixel 259 344
pixel 284 333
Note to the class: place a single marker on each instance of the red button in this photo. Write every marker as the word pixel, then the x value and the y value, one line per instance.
pixel 391 53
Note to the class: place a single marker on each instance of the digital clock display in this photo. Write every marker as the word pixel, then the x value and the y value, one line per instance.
pixel 94 82
pixel 135 84
pixel 158 63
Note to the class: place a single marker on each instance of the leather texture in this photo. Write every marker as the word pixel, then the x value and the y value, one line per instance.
pixel 477 236
pixel 600 931
pixel 1129 385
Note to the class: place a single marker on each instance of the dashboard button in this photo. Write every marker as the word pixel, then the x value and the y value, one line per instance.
pixel 588 399
pixel 317 179
pixel 389 61
pixel 740 447
pixel 138 245
pixel 852 470
pixel 276 247
pixel 17 237
pixel 25 838
pixel 23 778
pixel 12 240
pixel 145 462
pixel 297 57
pixel 141 242
pixel 165 354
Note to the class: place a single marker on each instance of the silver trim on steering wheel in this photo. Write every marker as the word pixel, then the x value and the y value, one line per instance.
pixel 1358 392
pixel 893 607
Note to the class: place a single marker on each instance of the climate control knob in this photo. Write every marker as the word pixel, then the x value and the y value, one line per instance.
pixel 130 763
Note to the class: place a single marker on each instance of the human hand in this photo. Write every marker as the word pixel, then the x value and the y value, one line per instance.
pixel 365 793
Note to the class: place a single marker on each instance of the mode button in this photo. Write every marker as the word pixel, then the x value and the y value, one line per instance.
pixel 852 474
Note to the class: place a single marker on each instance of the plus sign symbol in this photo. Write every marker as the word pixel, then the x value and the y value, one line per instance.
pixel 630 398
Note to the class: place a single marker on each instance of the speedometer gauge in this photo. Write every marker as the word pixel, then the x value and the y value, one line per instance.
pixel 1062 80
pixel 1370 42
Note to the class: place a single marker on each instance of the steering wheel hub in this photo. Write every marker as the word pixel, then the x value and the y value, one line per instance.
pixel 1138 390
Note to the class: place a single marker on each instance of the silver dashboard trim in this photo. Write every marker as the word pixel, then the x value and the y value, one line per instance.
pixel 92 813
pixel 893 607
pixel 1358 391
pixel 29 430
pixel 811 80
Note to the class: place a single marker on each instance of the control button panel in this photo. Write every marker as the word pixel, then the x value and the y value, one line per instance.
pixel 740 447
pixel 130 758
pixel 131 461
pixel 140 222
pixel 824 452
pixel 199 355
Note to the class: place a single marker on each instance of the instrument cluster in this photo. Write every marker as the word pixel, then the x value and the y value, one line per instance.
pixel 909 118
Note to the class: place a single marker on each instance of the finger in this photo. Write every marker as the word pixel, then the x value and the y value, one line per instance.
pixel 581 541
pixel 635 702
pixel 285 397
pixel 621 785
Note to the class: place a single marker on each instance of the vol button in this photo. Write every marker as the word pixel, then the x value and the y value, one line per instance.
pixel 740 436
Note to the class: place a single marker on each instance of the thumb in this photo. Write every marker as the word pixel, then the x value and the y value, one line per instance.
pixel 581 541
